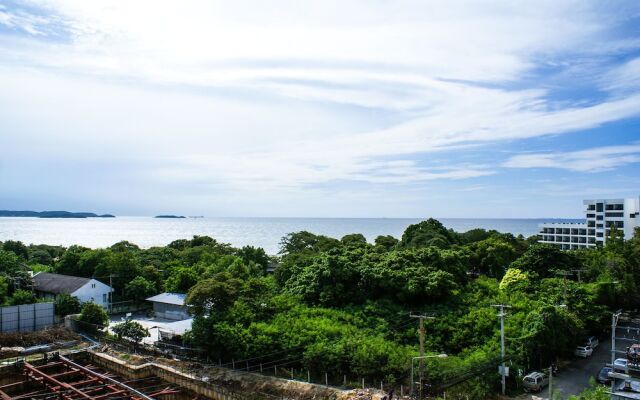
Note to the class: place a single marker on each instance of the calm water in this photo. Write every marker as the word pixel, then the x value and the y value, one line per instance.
pixel 261 232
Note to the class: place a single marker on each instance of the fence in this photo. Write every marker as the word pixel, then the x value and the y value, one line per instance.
pixel 26 317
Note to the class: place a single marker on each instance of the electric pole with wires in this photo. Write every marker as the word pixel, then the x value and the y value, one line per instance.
pixel 421 332
pixel 502 314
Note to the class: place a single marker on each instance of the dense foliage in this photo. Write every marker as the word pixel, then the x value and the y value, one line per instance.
pixel 341 306
pixel 130 330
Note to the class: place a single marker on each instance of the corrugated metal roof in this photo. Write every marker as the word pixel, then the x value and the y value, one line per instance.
pixel 57 283
pixel 169 298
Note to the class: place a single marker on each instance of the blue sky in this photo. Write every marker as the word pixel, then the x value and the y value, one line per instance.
pixel 328 108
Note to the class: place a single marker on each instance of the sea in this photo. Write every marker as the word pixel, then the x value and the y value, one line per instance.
pixel 259 232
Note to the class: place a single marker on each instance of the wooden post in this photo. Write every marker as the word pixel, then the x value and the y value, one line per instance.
pixel 260 367
pixel 326 379
pixel 363 383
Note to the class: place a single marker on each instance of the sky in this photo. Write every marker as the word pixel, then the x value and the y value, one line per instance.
pixel 319 108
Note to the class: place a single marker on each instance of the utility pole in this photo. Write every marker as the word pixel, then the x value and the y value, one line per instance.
pixel 614 322
pixel 564 283
pixel 502 314
pixel 421 332
pixel 551 382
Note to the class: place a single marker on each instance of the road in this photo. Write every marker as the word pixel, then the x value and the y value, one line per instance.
pixel 574 378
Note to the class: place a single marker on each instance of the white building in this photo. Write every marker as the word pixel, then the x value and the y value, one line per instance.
pixel 600 216
pixel 48 285
pixel 170 306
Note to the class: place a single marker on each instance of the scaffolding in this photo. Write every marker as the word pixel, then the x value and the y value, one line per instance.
pixel 61 378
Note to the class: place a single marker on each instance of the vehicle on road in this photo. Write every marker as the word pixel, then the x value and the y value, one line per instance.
pixel 620 365
pixel 583 351
pixel 592 341
pixel 603 375
pixel 633 354
pixel 535 381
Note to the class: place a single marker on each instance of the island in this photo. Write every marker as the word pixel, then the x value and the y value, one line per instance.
pixel 169 216
pixel 52 214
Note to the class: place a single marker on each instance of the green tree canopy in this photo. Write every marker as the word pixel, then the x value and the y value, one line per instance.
pixel 130 330
pixel 92 313
pixel 66 304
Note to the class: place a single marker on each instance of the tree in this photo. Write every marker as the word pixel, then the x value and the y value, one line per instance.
pixel 139 289
pixel 181 279
pixel 256 255
pixel 514 279
pixel 131 330
pixel 544 259
pixel 213 295
pixel 21 296
pixel 426 233
pixel 42 257
pixel 66 304
pixel 354 239
pixel 9 262
pixel 93 314
pixel 298 242
pixel 386 243
pixel 17 247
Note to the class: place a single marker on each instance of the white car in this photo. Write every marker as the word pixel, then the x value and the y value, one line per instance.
pixel 592 341
pixel 620 365
pixel 583 351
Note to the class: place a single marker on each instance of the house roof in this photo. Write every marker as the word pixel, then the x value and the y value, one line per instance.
pixel 169 298
pixel 57 283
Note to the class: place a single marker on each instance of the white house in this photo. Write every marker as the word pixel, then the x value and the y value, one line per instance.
pixel 50 285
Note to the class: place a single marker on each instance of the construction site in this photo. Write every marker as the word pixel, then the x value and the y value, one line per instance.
pixel 97 371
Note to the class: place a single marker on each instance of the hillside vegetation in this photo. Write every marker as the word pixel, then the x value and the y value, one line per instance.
pixel 341 306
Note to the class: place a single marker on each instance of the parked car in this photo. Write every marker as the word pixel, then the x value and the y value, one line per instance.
pixel 592 341
pixel 620 365
pixel 633 353
pixel 583 351
pixel 535 381
pixel 603 375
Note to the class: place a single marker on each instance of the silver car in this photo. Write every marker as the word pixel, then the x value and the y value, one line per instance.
pixel 535 381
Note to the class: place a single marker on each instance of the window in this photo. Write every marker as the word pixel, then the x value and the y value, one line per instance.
pixel 599 207
pixel 599 226
pixel 591 215
pixel 614 214
pixel 104 297
pixel 93 286
pixel 599 234
pixel 599 217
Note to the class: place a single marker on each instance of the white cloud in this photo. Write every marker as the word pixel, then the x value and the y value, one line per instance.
pixel 287 95
pixel 591 160
pixel 624 78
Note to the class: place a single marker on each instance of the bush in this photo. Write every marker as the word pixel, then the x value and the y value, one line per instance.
pixel 131 330
pixel 66 304
pixel 93 314
pixel 21 296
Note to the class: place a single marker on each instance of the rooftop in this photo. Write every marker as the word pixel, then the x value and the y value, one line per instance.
pixel 169 298
pixel 57 283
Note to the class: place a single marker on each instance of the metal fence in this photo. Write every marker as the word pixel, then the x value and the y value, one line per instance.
pixel 26 317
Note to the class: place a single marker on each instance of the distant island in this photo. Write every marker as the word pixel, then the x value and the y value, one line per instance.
pixel 52 214
pixel 169 216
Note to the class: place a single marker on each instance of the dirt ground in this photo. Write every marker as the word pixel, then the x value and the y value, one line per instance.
pixel 45 336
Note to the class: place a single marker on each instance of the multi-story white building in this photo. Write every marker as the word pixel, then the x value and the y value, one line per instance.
pixel 600 216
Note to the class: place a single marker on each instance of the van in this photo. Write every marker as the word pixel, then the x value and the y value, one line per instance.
pixel 535 381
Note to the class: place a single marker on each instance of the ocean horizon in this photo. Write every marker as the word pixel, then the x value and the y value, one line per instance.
pixel 265 232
